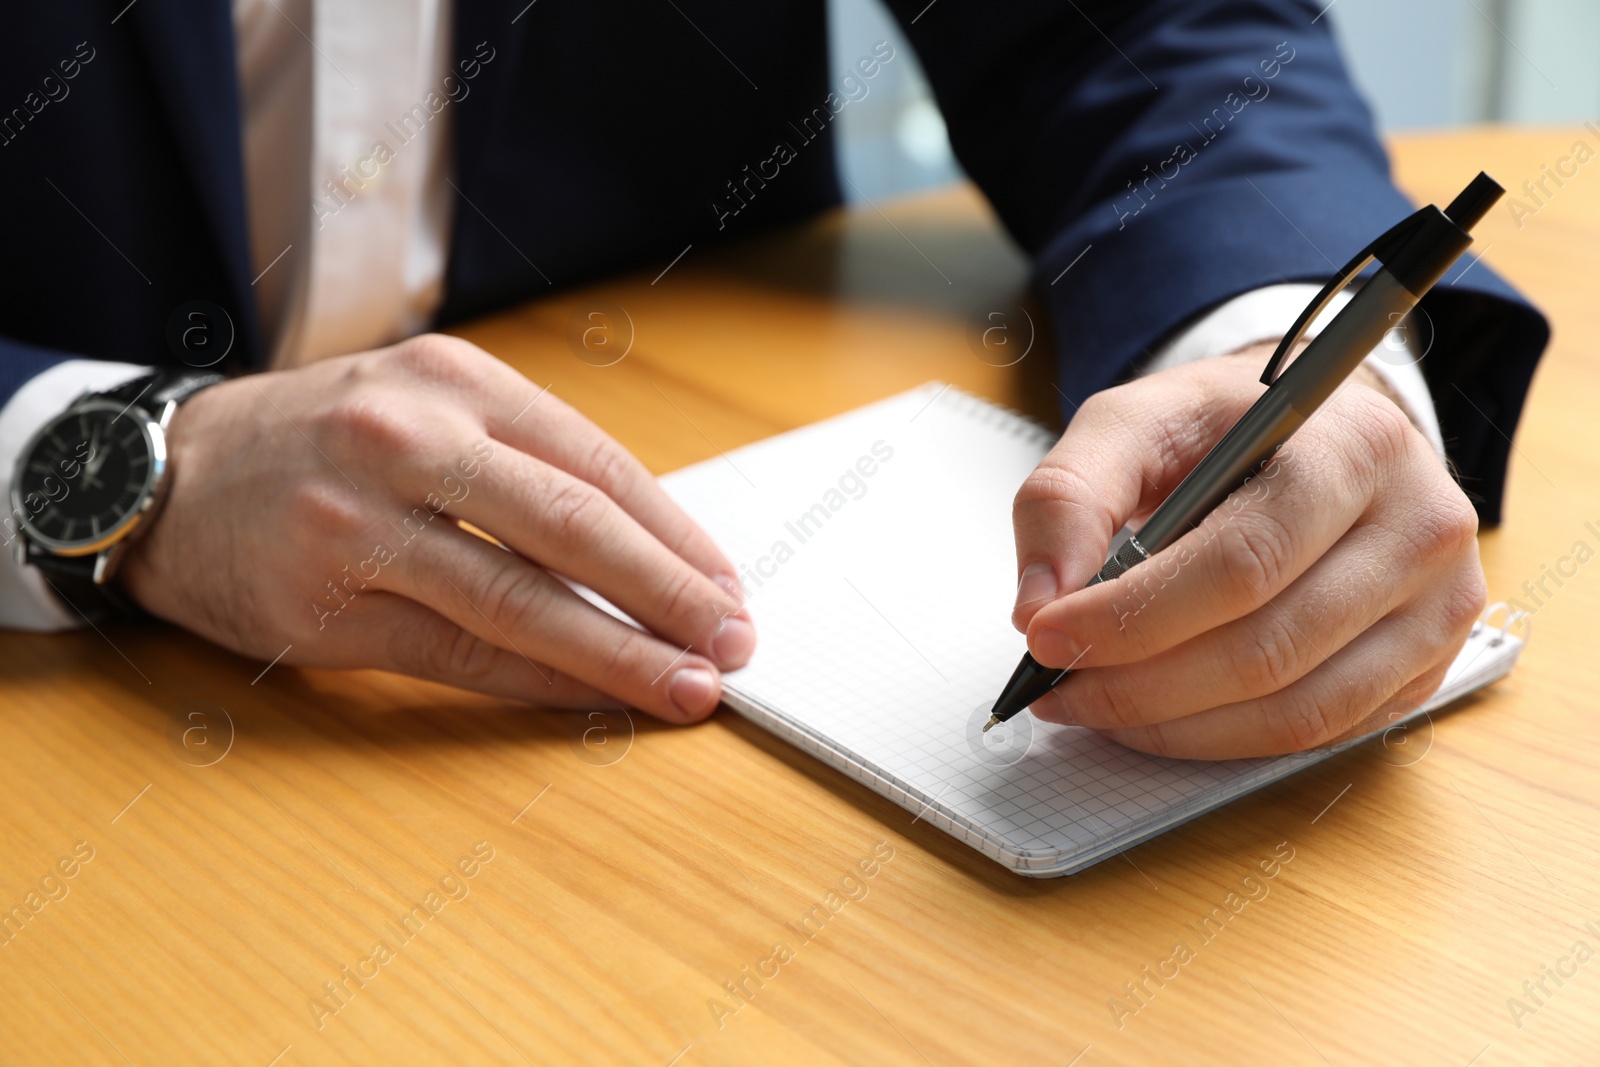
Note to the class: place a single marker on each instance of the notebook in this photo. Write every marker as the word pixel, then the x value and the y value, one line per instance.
pixel 876 553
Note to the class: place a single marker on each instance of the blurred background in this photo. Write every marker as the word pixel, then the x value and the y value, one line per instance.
pixel 1422 64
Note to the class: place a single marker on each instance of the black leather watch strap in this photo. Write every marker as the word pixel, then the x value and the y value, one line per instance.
pixel 72 578
pixel 151 391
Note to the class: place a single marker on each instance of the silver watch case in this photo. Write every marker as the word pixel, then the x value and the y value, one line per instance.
pixel 109 543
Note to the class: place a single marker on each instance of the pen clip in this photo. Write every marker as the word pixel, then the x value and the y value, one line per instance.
pixel 1379 250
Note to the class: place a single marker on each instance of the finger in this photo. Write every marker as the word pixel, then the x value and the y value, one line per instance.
pixel 412 639
pixel 529 418
pixel 1123 451
pixel 1391 713
pixel 553 431
pixel 1244 553
pixel 522 608
pixel 570 526
pixel 1359 581
pixel 1327 703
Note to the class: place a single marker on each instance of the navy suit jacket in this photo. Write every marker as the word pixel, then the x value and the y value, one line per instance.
pixel 1203 148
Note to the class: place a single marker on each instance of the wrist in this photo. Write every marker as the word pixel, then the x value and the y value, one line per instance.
pixel 1254 321
pixel 142 577
pixel 1365 374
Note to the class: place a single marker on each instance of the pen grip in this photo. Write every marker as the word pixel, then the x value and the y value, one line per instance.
pixel 1131 552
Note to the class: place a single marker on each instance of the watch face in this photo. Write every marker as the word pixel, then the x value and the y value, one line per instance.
pixel 85 478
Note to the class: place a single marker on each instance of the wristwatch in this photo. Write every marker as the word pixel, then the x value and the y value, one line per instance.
pixel 85 483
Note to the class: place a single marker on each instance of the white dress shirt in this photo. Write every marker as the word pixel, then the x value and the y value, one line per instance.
pixel 346 133
pixel 346 138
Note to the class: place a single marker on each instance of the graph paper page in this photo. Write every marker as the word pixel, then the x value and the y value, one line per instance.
pixel 877 556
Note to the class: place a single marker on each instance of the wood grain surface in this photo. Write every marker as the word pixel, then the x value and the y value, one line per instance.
pixel 331 868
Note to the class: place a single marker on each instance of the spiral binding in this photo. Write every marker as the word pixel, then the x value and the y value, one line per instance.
pixel 1501 632
pixel 990 413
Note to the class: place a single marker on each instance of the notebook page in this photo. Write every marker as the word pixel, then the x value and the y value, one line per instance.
pixel 877 556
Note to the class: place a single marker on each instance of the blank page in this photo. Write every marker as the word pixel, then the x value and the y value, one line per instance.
pixel 877 556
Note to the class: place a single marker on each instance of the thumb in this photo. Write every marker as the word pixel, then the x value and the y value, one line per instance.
pixel 1123 452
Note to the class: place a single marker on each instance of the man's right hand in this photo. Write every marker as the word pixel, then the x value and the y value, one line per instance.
pixel 317 509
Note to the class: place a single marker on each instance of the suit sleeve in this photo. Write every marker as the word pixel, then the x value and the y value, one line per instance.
pixel 20 362
pixel 1158 158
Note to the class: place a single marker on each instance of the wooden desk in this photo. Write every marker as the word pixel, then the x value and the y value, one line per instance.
pixel 632 877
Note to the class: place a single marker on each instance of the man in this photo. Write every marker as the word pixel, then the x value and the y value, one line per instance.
pixel 324 180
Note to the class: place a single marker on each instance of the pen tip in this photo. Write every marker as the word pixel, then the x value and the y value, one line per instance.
pixel 994 720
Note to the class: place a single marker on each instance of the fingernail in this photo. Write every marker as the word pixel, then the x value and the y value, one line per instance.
pixel 693 690
pixel 1055 648
pixel 730 585
pixel 733 642
pixel 1038 583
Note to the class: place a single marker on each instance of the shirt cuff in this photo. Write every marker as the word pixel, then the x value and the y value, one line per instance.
pixel 1267 314
pixel 26 602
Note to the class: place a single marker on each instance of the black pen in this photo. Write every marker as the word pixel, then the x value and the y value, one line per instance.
pixel 1414 255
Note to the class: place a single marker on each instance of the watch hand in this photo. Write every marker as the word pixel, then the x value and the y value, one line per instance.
pixel 97 457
